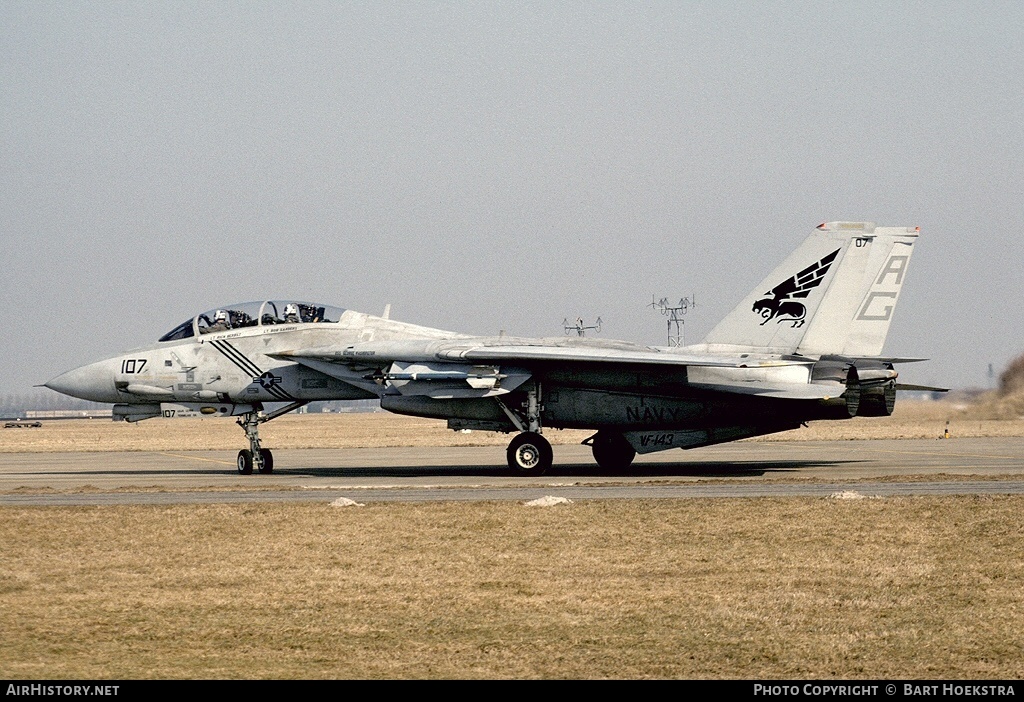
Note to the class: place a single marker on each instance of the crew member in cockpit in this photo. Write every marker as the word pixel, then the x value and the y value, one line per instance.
pixel 291 313
pixel 221 322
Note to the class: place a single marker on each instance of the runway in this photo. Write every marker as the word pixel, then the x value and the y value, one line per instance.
pixel 742 469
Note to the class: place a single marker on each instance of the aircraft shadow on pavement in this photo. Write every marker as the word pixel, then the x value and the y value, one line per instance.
pixel 688 469
pixel 709 469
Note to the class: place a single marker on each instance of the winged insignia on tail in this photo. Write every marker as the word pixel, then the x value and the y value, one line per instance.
pixel 782 307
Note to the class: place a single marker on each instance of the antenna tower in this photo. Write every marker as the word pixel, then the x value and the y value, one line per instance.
pixel 579 327
pixel 675 316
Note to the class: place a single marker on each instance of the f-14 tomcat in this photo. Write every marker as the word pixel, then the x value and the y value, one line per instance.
pixel 804 345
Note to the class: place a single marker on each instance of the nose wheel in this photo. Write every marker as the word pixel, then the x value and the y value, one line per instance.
pixel 246 461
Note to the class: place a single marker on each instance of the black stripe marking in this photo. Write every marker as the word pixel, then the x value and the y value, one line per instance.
pixel 245 370
pixel 247 366
pixel 237 357
pixel 279 393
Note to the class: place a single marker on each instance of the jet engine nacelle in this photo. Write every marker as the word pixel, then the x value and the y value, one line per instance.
pixel 870 392
pixel 878 400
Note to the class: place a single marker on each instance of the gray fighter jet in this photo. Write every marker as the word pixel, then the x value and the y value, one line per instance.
pixel 804 345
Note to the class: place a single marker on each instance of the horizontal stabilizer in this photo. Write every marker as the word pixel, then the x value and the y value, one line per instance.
pixel 919 388
pixel 854 360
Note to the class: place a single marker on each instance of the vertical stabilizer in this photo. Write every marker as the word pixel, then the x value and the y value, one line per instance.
pixel 834 295
pixel 854 316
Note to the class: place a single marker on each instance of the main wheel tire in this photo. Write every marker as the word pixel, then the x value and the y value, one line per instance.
pixel 611 451
pixel 268 461
pixel 529 453
pixel 244 462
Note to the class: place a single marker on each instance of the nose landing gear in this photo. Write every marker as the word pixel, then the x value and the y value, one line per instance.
pixel 255 457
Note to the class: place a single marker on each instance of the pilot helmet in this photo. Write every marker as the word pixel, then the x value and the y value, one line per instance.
pixel 220 316
pixel 291 310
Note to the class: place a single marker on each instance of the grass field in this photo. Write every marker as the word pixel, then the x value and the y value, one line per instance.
pixel 729 588
pixel 920 420
pixel 904 588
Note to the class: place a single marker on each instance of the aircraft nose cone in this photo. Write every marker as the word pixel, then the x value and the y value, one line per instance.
pixel 93 382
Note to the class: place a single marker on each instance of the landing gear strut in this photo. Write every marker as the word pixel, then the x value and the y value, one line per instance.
pixel 528 453
pixel 255 457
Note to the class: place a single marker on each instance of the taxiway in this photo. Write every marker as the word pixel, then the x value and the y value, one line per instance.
pixel 882 467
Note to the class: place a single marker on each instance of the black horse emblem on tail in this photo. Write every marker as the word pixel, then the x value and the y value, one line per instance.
pixel 781 307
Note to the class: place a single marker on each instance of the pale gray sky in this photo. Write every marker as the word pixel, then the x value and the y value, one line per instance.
pixel 486 166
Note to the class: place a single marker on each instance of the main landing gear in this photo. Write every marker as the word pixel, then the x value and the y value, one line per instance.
pixel 528 453
pixel 260 459
pixel 611 450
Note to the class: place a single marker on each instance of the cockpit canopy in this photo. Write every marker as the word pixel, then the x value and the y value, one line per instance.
pixel 253 314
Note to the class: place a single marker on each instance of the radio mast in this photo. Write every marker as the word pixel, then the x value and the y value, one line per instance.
pixel 579 327
pixel 675 316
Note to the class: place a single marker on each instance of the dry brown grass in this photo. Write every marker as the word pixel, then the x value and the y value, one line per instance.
pixel 293 431
pixel 912 420
pixel 756 589
pixel 997 406
pixel 1007 402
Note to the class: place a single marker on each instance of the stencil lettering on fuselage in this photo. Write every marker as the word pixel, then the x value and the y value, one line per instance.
pixel 654 414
